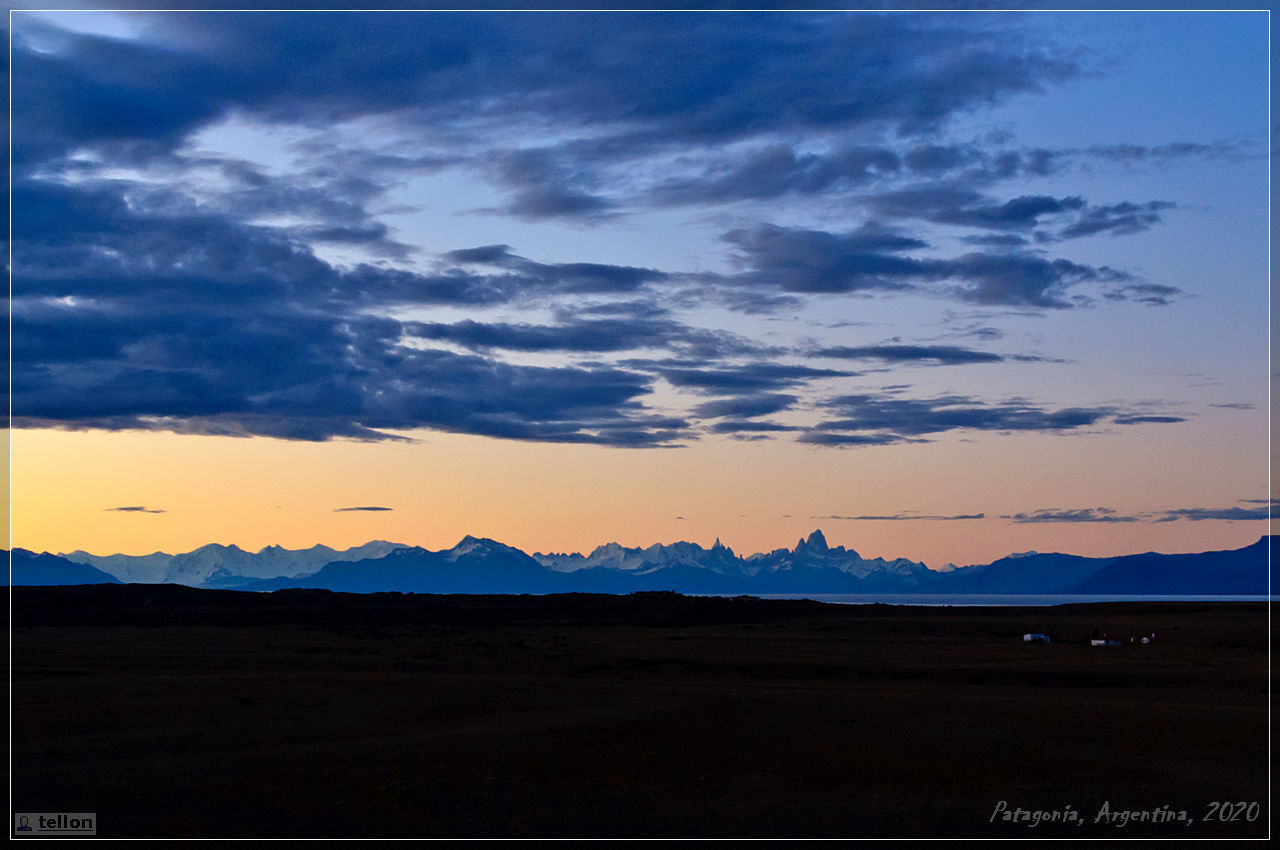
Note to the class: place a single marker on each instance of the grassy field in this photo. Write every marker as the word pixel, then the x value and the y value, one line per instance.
pixel 179 713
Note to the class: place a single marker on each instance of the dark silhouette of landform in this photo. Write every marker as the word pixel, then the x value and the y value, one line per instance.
pixel 482 692
pixel 477 565
pixel 176 712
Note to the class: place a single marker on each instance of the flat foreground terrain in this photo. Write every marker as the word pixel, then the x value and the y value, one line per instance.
pixel 172 712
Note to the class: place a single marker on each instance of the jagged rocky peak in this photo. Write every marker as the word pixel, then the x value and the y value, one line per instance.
pixel 816 541
pixel 471 543
pixel 479 546
pixel 464 546
pixel 723 552
pixel 216 547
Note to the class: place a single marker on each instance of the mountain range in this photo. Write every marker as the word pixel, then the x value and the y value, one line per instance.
pixel 224 566
pixel 480 565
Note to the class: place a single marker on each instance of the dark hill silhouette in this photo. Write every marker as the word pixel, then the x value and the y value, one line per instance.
pixel 1031 573
pixel 32 569
pixel 1225 572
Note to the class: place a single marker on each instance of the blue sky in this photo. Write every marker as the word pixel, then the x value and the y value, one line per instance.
pixel 823 233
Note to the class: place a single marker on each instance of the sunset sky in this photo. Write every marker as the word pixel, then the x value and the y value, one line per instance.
pixel 944 285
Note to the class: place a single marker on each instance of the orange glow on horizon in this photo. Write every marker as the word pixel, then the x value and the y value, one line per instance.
pixel 551 497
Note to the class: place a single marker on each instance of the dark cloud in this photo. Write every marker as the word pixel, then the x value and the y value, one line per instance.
pixel 495 254
pixel 930 355
pixel 906 417
pixel 745 406
pixel 774 171
pixel 754 426
pixel 103 91
pixel 151 289
pixel 814 261
pixel 1023 280
pixel 997 240
pixel 829 438
pixel 963 206
pixel 360 395
pixel 547 187
pixel 333 196
pixel 102 239
pixel 635 310
pixel 971 326
pixel 778 170
pixel 520 277
pixel 938 159
pixel 809 261
pixel 1076 515
pixel 749 378
pixel 627 331
pixel 621 75
pixel 128 316
pixel 541 202
pixel 362 508
pixel 751 302
pixel 1109 515
pixel 1117 219
pixel 137 509
pixel 599 335
pixel 1151 294
pixel 1229 514
pixel 1141 420
pixel 1174 150
pixel 977 164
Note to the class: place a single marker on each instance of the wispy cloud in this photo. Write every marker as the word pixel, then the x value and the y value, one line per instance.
pixel 1260 512
pixel 908 516
pixel 1147 420
pixel 871 260
pixel 1228 514
pixel 136 509
pixel 1073 515
pixel 926 355
pixel 889 413
pixel 362 508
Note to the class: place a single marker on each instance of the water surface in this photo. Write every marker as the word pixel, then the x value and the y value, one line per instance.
pixel 1010 599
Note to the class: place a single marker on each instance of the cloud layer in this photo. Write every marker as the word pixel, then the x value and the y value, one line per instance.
pixel 160 284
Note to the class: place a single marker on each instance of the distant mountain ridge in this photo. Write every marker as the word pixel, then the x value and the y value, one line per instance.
pixel 27 567
pixel 481 565
pixel 215 565
pixel 810 554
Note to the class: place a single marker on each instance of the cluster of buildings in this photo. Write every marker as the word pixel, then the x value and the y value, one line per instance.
pixel 1041 637
pixel 1108 641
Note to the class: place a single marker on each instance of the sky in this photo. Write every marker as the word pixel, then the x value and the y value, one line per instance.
pixel 945 285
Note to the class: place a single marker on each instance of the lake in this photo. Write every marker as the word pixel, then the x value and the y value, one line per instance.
pixel 980 599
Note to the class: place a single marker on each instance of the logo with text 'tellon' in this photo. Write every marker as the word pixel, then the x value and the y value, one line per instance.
pixel 55 823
